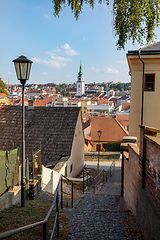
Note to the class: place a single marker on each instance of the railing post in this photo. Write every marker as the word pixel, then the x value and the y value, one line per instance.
pixel 27 178
pixel 61 193
pixel 32 166
pixel 83 180
pixel 103 175
pixel 45 231
pixel 72 194
pixel 57 211
pixel 122 176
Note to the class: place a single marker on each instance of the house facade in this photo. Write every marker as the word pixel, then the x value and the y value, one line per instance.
pixel 59 131
pixel 147 61
pixel 112 132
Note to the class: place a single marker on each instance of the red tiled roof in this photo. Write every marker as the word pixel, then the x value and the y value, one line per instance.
pixel 103 101
pixel 123 119
pixel 3 95
pixel 112 130
pixel 125 106
pixel 18 101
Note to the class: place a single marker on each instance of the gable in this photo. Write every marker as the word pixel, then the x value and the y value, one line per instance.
pixel 112 130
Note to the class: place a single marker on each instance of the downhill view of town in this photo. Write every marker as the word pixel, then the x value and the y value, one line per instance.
pixel 80 140
pixel 106 99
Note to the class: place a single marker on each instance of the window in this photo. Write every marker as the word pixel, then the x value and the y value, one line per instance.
pixel 71 167
pixel 149 84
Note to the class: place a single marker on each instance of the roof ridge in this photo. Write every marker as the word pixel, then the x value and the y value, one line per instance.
pixel 149 46
pixel 121 126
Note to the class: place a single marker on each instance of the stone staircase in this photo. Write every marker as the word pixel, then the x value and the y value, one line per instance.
pixel 102 215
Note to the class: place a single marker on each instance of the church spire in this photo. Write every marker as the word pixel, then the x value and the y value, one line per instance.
pixel 80 70
pixel 80 82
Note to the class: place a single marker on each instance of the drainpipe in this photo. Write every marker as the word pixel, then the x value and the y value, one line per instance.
pixel 142 87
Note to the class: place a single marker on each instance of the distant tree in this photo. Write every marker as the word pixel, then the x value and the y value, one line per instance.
pixel 134 20
pixel 64 94
pixel 3 87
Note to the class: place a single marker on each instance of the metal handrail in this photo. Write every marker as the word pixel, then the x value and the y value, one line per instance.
pixel 103 172
pixel 57 201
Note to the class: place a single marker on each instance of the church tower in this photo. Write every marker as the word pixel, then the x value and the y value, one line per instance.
pixel 80 83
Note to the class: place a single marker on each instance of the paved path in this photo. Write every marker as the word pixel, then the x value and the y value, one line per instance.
pixel 99 216
pixel 103 164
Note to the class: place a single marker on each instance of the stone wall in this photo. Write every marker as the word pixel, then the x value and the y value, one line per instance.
pixel 131 178
pixel 142 183
pixel 10 198
pixel 102 155
pixel 147 215
pixel 152 168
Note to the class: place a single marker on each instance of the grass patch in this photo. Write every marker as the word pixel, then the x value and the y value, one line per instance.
pixel 34 211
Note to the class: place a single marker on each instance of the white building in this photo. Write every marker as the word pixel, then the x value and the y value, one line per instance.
pixel 63 102
pixel 80 83
pixel 96 108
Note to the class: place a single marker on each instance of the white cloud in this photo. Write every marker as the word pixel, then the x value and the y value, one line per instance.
pixel 68 50
pixel 45 73
pixel 108 70
pixel 60 59
pixel 47 16
pixel 111 70
pixel 95 69
pixel 54 58
pixel 50 63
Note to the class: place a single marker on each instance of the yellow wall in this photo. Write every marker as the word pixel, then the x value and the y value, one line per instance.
pixel 84 107
pixel 151 115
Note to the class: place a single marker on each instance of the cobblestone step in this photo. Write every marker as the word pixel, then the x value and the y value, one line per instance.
pixel 90 201
pixel 97 225
pixel 101 215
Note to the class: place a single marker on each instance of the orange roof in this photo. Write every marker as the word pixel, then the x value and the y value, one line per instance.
pixel 40 103
pixel 125 106
pixel 4 100
pixel 123 119
pixel 3 95
pixel 103 101
pixel 112 130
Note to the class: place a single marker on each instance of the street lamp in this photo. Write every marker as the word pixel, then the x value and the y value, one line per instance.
pixel 23 67
pixel 99 135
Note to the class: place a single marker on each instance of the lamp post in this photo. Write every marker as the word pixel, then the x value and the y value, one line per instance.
pixel 23 67
pixel 99 135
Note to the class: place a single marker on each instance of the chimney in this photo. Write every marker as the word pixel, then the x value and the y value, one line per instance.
pixel 31 102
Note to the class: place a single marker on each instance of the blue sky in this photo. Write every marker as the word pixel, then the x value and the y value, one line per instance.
pixel 57 45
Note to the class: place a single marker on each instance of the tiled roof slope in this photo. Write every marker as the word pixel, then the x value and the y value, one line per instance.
pixel 112 130
pixel 152 47
pixel 53 128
